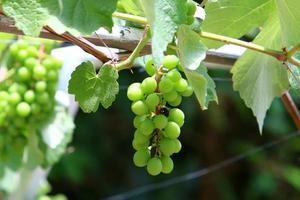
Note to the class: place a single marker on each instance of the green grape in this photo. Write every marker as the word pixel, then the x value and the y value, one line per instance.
pixel 139 108
pixel 48 63
pixel 21 89
pixel 14 98
pixel 141 157
pixel 174 75
pixel 176 115
pixel 39 72
pixel 171 96
pixel 166 85
pixel 138 120
pixel 190 20
pixel 180 67
pixel 14 49
pixel 140 138
pixel 52 75
pixel 177 145
pixel 191 8
pixel 35 108
pixel 57 63
pixel 29 96
pixel 24 74
pixel 160 121
pixel 31 63
pixel 177 101
pixel 181 85
pixel 13 88
pixel 42 98
pixel 166 146
pixel 23 109
pixel 188 92
pixel 134 92
pixel 170 61
pixel 41 86
pixel 149 67
pixel 4 96
pixel 152 100
pixel 149 85
pixel 22 44
pixel 146 127
pixel 154 166
pixel 22 55
pixel 167 164
pixel 32 51
pixel 172 130
pixel 138 146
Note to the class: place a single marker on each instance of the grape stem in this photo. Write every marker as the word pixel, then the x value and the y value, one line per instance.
pixel 128 63
pixel 281 56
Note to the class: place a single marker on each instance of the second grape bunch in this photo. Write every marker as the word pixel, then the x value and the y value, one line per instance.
pixel 158 121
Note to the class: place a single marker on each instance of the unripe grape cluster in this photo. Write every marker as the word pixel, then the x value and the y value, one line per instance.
pixel 157 120
pixel 26 96
pixel 191 10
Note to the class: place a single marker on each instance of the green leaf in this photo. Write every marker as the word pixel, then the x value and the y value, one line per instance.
pixel 57 134
pixel 260 78
pixel 289 16
pixel 84 16
pixel 235 18
pixel 164 16
pixel 131 6
pixel 203 86
pixel 191 50
pixel 91 89
pixel 292 175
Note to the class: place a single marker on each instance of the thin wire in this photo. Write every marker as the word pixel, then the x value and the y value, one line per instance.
pixel 202 172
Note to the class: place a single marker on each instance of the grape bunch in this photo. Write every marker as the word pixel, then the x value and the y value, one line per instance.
pixel 157 120
pixel 26 97
pixel 191 10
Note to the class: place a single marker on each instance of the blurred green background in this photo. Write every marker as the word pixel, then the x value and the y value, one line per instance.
pixel 99 162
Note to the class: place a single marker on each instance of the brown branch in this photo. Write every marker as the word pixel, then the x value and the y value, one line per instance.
pixel 82 43
pixel 291 108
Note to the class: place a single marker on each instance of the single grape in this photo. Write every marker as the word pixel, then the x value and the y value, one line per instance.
pixel 170 61
pixel 181 85
pixel 138 120
pixel 41 86
pixel 166 85
pixel 42 98
pixel 29 96
pixel 52 75
pixel 48 63
pixel 174 75
pixel 32 51
pixel 152 100
pixel 167 164
pixel 171 96
pixel 149 85
pixel 191 8
pixel 14 98
pixel 139 137
pixel 146 127
pixel 14 49
pixel 149 67
pixel 23 109
pixel 137 146
pixel 154 166
pixel 39 72
pixel 35 108
pixel 23 74
pixel 139 108
pixel 177 145
pixel 177 101
pixel 22 55
pixel 166 146
pixel 176 115
pixel 31 63
pixel 141 157
pixel 4 96
pixel 188 92
pixel 57 63
pixel 172 130
pixel 160 121
pixel 134 92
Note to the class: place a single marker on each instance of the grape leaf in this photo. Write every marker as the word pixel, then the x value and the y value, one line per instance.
pixel 203 86
pixel 84 16
pixel 260 78
pixel 191 50
pixel 164 16
pixel 235 18
pixel 91 89
pixel 57 134
pixel 131 6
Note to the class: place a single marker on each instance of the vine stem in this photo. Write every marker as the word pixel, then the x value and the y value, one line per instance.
pixel 279 55
pixel 291 108
pixel 127 64
pixel 293 51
